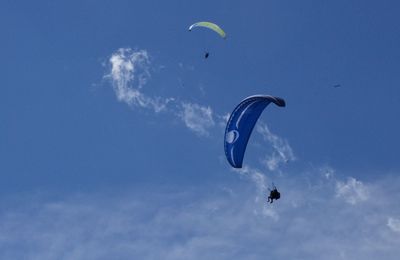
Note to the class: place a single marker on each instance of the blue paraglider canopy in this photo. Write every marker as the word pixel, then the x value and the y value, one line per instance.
pixel 241 123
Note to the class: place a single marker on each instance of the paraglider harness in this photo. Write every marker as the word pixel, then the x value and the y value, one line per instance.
pixel 274 194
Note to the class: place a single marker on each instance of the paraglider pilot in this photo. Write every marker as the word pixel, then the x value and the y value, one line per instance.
pixel 206 55
pixel 274 194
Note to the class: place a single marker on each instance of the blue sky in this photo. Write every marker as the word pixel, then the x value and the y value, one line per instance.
pixel 112 127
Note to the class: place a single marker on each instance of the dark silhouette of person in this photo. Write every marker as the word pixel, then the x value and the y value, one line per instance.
pixel 274 195
pixel 206 55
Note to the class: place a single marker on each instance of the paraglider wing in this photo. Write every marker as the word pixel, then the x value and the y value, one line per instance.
pixel 211 26
pixel 241 123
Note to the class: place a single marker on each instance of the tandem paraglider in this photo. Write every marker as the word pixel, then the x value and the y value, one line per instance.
pixel 240 126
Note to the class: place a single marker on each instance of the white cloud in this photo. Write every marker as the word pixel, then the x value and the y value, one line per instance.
pixel 352 191
pixel 222 120
pixel 262 191
pixel 282 152
pixel 394 224
pixel 130 71
pixel 256 176
pixel 197 118
pixel 204 223
pixel 328 172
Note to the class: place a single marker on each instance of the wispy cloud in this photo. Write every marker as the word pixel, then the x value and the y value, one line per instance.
pixel 197 118
pixel 394 224
pixel 352 191
pixel 261 184
pixel 130 71
pixel 222 120
pixel 327 171
pixel 282 151
pixel 203 223
pixel 256 176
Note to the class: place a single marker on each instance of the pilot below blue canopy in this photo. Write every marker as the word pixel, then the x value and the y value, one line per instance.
pixel 241 123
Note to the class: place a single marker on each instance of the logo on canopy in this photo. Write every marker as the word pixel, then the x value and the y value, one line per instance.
pixel 232 136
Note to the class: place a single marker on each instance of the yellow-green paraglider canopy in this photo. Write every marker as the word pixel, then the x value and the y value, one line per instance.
pixel 211 26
